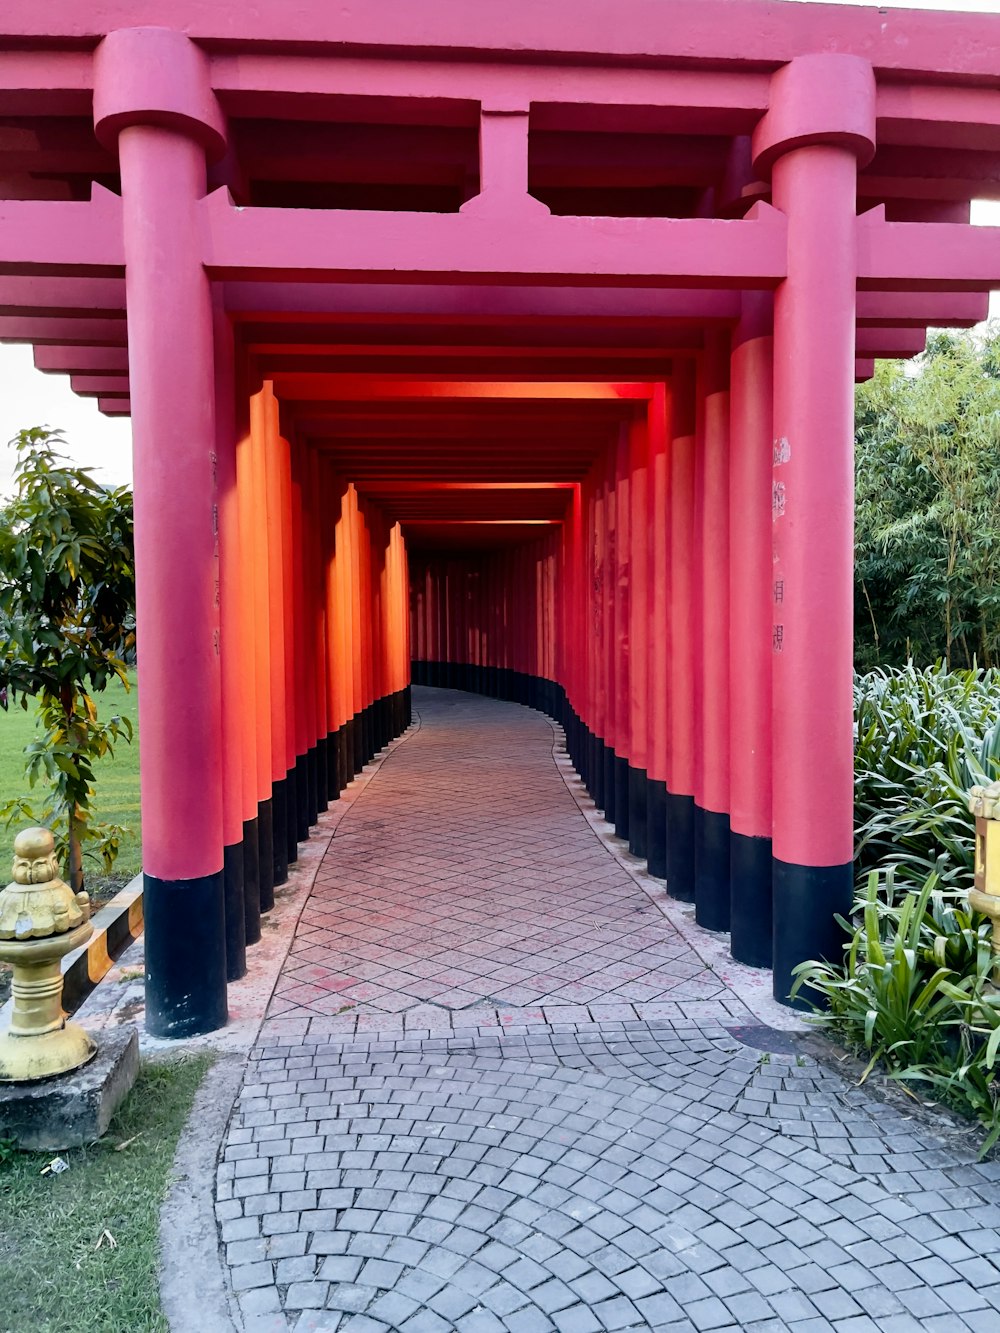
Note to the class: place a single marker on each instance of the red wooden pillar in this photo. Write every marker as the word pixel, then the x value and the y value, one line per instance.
pixel 623 574
pixel 306 812
pixel 638 774
pixel 750 602
pixel 153 101
pixel 821 121
pixel 613 682
pixel 275 685
pixel 234 720
pixel 320 560
pixel 289 644
pixel 712 803
pixel 591 629
pixel 263 409
pixel 329 503
pixel 248 628
pixel 680 787
pixel 659 632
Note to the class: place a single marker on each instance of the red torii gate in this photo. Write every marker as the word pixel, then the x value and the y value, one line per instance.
pixel 571 309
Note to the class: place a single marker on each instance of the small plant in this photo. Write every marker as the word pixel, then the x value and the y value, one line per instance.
pixel 914 994
pixel 67 607
pixel 8 1151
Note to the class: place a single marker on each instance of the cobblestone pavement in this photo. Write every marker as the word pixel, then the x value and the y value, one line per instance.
pixel 497 1091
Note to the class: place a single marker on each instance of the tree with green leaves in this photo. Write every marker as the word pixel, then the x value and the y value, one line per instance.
pixel 928 506
pixel 67 627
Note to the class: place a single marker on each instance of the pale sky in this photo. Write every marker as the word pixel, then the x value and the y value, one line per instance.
pixel 29 398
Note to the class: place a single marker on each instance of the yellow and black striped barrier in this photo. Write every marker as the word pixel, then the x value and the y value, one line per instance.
pixel 116 925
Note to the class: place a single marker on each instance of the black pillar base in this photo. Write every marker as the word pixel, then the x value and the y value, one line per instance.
pixel 805 901
pixel 251 882
pixel 265 846
pixel 185 933
pixel 279 831
pixel 301 798
pixel 312 786
pixel 346 732
pixel 609 784
pixel 322 775
pixel 656 828
pixel 236 926
pixel 637 811
pixel 680 847
pixel 291 815
pixel 711 869
pixel 336 764
pixel 597 770
pixel 750 872
pixel 621 797
pixel 357 744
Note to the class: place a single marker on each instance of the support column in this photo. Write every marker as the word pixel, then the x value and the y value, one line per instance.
pixel 621 591
pixel 680 783
pixel 152 98
pixel 276 685
pixel 234 721
pixel 250 692
pixel 822 120
pixel 638 760
pixel 659 631
pixel 265 406
pixel 750 602
pixel 712 809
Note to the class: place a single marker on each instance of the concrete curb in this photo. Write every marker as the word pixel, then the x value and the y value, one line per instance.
pixel 193 1289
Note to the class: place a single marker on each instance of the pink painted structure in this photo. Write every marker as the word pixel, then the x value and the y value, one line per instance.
pixel 570 307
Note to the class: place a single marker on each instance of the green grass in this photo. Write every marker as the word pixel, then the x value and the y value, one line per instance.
pixel 53 1278
pixel 116 793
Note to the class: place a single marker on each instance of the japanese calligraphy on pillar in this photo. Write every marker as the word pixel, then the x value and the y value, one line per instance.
pixel 779 501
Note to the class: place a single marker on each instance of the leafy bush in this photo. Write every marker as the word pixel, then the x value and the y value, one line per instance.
pixel 927 567
pixel 67 613
pixel 914 993
pixel 923 738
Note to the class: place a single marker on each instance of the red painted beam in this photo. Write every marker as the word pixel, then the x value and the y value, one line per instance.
pixel 71 239
pixel 307 245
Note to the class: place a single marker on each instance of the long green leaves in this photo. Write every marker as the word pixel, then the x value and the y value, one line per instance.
pixel 914 993
pixel 923 738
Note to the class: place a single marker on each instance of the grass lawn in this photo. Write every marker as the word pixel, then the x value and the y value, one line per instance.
pixel 54 1277
pixel 116 792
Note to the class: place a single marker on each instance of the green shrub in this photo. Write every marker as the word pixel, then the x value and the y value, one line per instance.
pixel 914 993
pixel 923 738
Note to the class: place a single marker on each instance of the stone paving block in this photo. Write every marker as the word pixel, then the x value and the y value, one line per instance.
pixel 519 1141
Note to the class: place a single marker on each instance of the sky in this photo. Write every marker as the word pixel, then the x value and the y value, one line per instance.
pixel 29 398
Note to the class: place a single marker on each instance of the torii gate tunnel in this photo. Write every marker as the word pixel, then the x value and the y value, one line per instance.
pixel 516 351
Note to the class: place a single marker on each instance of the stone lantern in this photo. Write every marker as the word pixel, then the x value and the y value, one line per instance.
pixel 41 920
pixel 984 896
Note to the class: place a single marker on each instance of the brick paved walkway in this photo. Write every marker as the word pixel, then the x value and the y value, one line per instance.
pixel 497 1091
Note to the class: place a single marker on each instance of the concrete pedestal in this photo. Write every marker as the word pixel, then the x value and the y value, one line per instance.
pixel 75 1108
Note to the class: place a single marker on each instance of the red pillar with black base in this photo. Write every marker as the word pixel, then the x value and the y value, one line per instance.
pixel 154 103
pixel 820 124
pixel 750 601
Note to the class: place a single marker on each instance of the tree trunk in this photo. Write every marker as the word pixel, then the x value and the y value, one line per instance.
pixel 75 853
